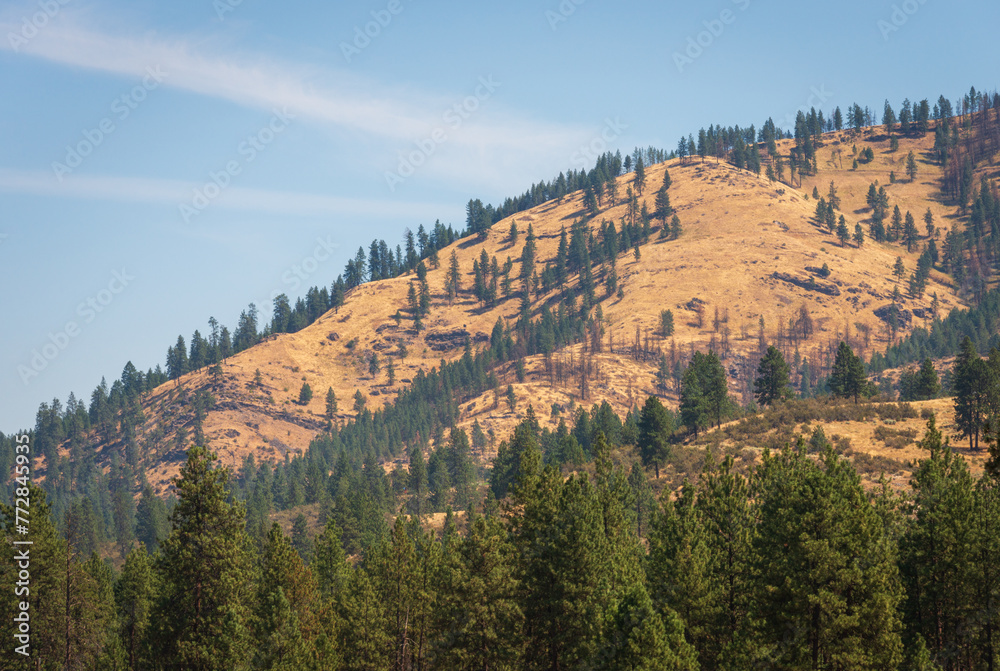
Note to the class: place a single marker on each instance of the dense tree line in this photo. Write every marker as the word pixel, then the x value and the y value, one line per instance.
pixel 554 572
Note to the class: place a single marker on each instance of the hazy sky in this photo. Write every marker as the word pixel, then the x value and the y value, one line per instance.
pixel 164 162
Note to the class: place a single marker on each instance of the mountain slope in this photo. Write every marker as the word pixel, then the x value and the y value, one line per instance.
pixel 750 248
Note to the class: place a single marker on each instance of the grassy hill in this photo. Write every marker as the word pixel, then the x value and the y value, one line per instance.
pixel 751 250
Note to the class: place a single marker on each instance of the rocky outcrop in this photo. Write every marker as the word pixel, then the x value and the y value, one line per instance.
pixel 809 284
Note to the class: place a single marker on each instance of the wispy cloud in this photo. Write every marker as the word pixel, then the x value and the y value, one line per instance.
pixel 203 66
pixel 172 192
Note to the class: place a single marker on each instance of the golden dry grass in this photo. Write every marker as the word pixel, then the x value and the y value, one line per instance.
pixel 739 229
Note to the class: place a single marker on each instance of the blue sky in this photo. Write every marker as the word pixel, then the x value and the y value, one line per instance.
pixel 164 162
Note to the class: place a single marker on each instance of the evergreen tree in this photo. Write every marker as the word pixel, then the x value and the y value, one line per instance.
pixel 842 233
pixel 201 616
pixel 152 524
pixel 975 387
pixel 305 394
pixel 135 593
pixel 655 427
pixel 833 590
pixel 938 550
pixel 848 378
pixel 417 481
pixel 666 323
pixel 331 403
pixel 640 176
pixel 704 392
pixel 330 562
pixel 284 621
pixel 772 383
pixel 479 601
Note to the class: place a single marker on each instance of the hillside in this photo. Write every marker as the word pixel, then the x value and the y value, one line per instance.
pixel 750 250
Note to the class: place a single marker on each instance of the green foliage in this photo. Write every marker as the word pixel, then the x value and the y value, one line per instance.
pixel 772 383
pixel 848 379
pixel 704 394
pixel 201 615
pixel 305 394
pixel 655 427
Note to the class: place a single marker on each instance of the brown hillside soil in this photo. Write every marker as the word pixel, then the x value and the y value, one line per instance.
pixel 750 248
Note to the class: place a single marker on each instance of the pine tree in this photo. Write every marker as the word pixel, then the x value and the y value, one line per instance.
pixel 680 570
pixel 899 270
pixel 655 427
pixel 911 166
pixel 642 638
pixel 640 176
pixel 842 233
pixel 45 596
pixel 135 600
pixel 305 394
pixel 704 392
pixel 675 227
pixel 453 281
pixel 848 378
pixel 479 601
pixel 666 323
pixel 859 235
pixel 662 203
pixel 331 403
pixel 330 562
pixel 975 387
pixel 833 590
pixel 938 549
pixel 772 383
pixel 151 520
pixel 284 618
pixel 201 616
pixel 417 481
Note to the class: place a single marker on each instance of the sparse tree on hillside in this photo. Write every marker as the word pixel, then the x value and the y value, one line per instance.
pixel 640 176
pixel 859 235
pixel 899 270
pixel 772 383
pixel 842 233
pixel 675 227
pixel 666 323
pixel 911 166
pixel 453 279
pixel 374 365
pixel 975 385
pixel 848 378
pixel 305 394
pixel 359 401
pixel 331 403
